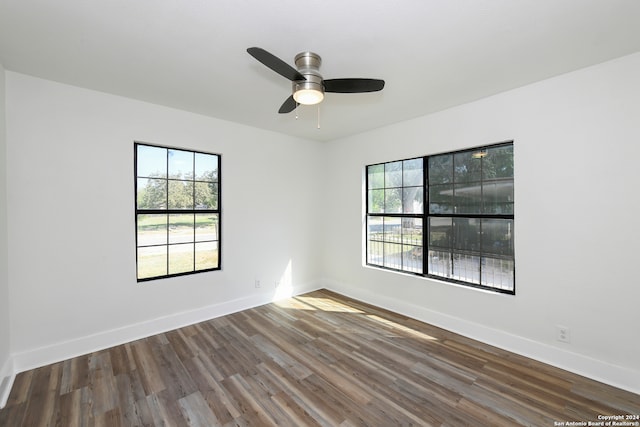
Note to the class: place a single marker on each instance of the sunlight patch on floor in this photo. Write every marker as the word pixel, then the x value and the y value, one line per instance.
pixel 327 304
pixel 402 328
pixel 294 304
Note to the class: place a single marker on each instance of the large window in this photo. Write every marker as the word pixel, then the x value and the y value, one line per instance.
pixel 466 226
pixel 177 211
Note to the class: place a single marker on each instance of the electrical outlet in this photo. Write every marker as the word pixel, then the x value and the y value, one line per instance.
pixel 563 334
pixel 257 283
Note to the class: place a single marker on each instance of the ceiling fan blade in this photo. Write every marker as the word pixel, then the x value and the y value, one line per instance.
pixel 288 106
pixel 275 63
pixel 353 85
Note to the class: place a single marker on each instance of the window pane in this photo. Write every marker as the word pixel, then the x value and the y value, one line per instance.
pixel 498 163
pixel 412 200
pixel 152 193
pixel 393 174
pixel 441 169
pixel 467 198
pixel 439 263
pixel 375 252
pixel 393 200
pixel 207 255
pixel 498 196
pixel 441 199
pixel 412 258
pixel 466 268
pixel 206 195
pixel 440 232
pixel 412 231
pixel 181 228
pixel 412 173
pixel 466 234
pixel 375 176
pixel 152 261
pixel 180 258
pixel 393 255
pixel 393 239
pixel 180 194
pixel 375 229
pixel 152 230
pixel 467 167
pixel 206 167
pixel 376 201
pixel 180 164
pixel 498 273
pixel 392 230
pixel 206 227
pixel 497 237
pixel 151 161
pixel 412 244
pixel 375 235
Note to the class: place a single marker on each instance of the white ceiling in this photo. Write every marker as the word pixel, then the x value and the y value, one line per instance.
pixel 191 54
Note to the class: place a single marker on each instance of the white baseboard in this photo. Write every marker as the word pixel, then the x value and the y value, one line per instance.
pixel 7 376
pixel 598 370
pixel 43 356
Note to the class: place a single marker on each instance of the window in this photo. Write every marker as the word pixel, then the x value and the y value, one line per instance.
pixel 177 211
pixel 469 216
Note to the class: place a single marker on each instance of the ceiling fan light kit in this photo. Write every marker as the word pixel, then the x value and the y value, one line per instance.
pixel 307 85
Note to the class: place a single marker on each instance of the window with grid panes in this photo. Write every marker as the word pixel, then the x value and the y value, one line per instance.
pixel 177 211
pixel 467 227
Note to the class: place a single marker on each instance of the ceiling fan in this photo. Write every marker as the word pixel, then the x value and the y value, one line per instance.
pixel 308 86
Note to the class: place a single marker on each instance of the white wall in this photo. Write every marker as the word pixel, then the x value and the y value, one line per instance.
pixel 71 219
pixel 577 156
pixel 5 360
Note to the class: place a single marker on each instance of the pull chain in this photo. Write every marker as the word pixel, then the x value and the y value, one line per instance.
pixel 297 86
pixel 318 116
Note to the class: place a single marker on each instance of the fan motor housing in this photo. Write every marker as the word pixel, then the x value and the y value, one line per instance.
pixel 309 60
pixel 308 64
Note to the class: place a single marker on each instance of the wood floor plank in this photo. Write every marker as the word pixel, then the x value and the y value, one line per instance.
pixel 21 387
pixel 102 384
pixel 147 367
pixel 165 411
pixel 131 397
pixel 249 405
pixel 110 418
pixel 303 395
pixel 205 338
pixel 197 412
pixel 280 356
pixel 173 372
pixel 222 404
pixel 120 360
pixel 319 359
pixel 298 415
pixel 70 408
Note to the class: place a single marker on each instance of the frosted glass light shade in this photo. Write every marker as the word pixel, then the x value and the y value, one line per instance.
pixel 308 96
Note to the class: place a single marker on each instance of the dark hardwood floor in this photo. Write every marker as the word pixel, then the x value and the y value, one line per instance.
pixel 315 360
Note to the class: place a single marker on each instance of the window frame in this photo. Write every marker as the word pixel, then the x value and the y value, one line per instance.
pixel 426 216
pixel 173 211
